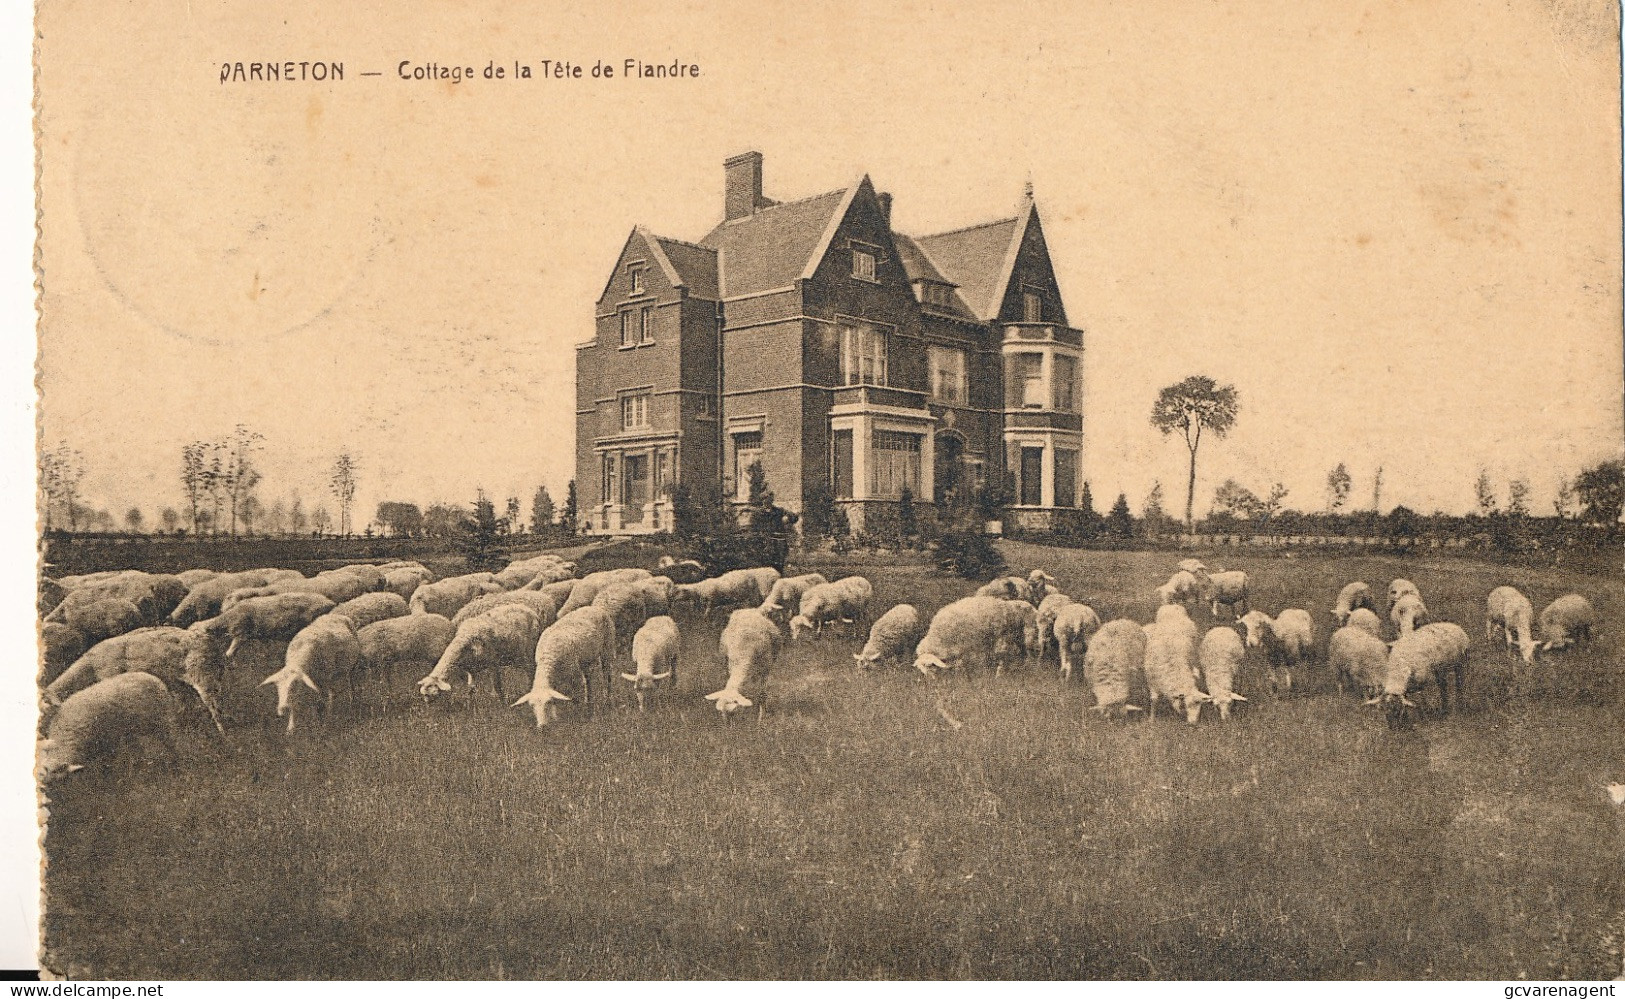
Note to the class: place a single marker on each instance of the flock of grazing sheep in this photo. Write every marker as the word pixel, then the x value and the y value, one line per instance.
pixel 117 643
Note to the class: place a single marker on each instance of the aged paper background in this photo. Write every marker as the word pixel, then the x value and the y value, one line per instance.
pixel 1397 226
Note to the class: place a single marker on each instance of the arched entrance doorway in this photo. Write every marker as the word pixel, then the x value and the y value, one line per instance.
pixel 955 475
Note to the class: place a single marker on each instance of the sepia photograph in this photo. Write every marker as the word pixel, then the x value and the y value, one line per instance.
pixel 1065 491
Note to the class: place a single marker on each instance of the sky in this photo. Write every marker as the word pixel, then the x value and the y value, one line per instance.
pixel 1394 227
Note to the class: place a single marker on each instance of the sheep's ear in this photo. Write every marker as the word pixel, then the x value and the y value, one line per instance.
pixel 712 697
pixel 1373 701
pixel 743 702
pixel 629 677
pixel 269 680
pixel 661 676
pixel 1237 697
pixel 309 682
pixel 1127 708
pixel 74 768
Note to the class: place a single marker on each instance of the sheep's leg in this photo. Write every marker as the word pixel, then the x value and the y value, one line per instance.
pixel 1066 659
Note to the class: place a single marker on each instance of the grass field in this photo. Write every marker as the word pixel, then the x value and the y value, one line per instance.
pixel 857 833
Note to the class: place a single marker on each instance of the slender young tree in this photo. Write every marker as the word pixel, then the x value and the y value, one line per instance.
pixel 342 484
pixel 1195 406
pixel 1338 485
pixel 1484 493
pixel 541 511
pixel 194 469
pixel 241 475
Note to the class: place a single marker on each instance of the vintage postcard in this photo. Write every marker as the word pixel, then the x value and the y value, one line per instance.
pixel 757 490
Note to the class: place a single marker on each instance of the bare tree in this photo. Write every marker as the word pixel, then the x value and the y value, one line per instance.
pixel 1518 497
pixel 1566 504
pixel 241 475
pixel 61 468
pixel 1484 493
pixel 342 484
pixel 321 520
pixel 194 469
pixel 1195 405
pixel 1376 491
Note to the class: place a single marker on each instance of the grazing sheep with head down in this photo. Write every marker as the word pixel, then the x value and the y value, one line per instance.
pixel 1220 656
pixel 1350 598
pixel 191 577
pixel 1007 588
pixel 160 651
pixel 273 618
pixel 1170 663
pixel 585 590
pixel 1115 655
pixel 1287 638
pixel 654 656
pixel 105 617
pixel 1434 653
pixel 581 646
pixel 1227 589
pixel 504 636
pixel 681 571
pixel 1510 612
pixel 61 645
pixel 1358 658
pixel 969 630
pixel 1398 588
pixel 1075 624
pixel 1408 613
pixel 96 722
pixel 544 604
pixel 1047 609
pixel 1567 621
pixel 321 655
pixel 413 640
pixel 843 600
pixel 403 581
pixel 203 600
pixel 785 597
pixel 370 608
pixel 627 605
pixel 1182 587
pixel 892 636
pixel 750 644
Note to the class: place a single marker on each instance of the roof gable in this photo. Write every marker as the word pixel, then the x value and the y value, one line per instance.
pixel 774 246
pixel 696 266
pixel 979 259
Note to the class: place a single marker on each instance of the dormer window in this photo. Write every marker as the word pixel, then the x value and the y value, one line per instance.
pixel 937 294
pixel 863 263
pixel 637 280
pixel 1032 306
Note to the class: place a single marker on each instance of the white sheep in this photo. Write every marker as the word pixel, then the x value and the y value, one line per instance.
pixel 765 577
pixel 415 640
pixel 843 600
pixel 1115 656
pixel 1408 613
pixel 627 605
pixel 1366 620
pixel 203 600
pixel 1399 588
pixel 657 594
pixel 274 618
pixel 103 616
pixel 1193 566
pixel 1181 587
pixel 585 589
pixel 370 575
pixel 1509 611
pixel 1567 621
pixel 1039 584
pixel 655 650
pixel 1047 609
pixel 544 604
pixel 1007 588
pixel 370 608
pixel 523 572
pixel 785 597
pixel 504 636
pixel 1170 663
pixel 1434 653
pixel 1018 631
pixel 448 596
pixel 403 581
pixel 681 570
pixel 581 647
pixel 321 655
pixel 1287 638
pixel 97 721
pixel 1225 588
pixel 1220 655
pixel 750 643
pixel 337 585
pixel 965 631
pixel 892 636
pixel 160 651
pixel 1358 658
pixel 191 577
pixel 1350 598
pixel 1074 625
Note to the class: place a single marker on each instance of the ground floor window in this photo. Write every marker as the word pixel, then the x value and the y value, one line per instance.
pixel 747 452
pixel 1066 477
pixel 895 464
pixel 841 463
pixel 1032 476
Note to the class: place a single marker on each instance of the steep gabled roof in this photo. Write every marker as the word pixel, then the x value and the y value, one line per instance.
pixel 918 265
pixel 696 266
pixel 979 259
pixel 772 247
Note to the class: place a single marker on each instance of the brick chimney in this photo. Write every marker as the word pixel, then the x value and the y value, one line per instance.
pixel 742 192
pixel 884 198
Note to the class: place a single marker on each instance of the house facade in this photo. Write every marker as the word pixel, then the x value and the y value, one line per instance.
pixel 843 356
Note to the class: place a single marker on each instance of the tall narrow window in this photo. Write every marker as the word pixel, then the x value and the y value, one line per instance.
pixel 747 452
pixel 646 324
pixel 948 375
pixel 635 411
pixel 1066 476
pixel 629 328
pixel 863 355
pixel 662 472
pixel 637 280
pixel 863 264
pixel 1032 307
pixel 841 459
pixel 1066 383
pixel 609 487
pixel 1032 476
pixel 894 462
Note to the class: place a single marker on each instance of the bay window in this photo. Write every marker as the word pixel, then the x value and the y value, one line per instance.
pixel 894 464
